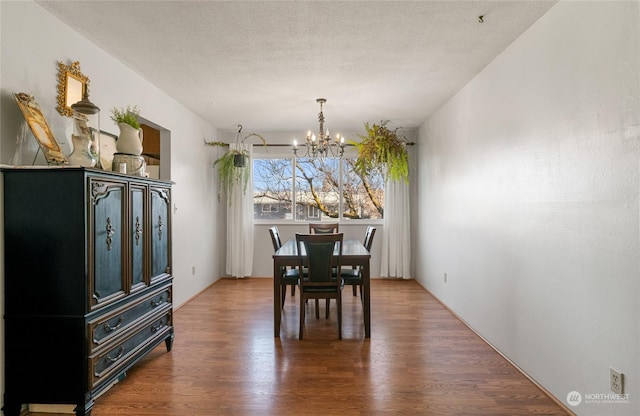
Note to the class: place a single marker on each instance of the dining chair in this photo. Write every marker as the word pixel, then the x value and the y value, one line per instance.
pixel 323 228
pixel 353 277
pixel 289 276
pixel 320 280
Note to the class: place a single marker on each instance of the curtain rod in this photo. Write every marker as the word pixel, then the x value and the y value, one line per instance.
pixel 299 145
pixel 278 144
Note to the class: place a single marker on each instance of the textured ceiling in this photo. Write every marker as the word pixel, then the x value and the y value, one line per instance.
pixel 263 64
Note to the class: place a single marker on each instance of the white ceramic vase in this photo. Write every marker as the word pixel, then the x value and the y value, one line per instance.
pixel 130 140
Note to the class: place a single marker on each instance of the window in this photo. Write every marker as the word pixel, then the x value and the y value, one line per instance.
pixel 313 212
pixel 272 184
pixel 363 197
pixel 269 208
pixel 317 185
pixel 320 189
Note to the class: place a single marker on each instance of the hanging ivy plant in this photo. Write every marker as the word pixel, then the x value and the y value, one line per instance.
pixel 382 150
pixel 229 174
pixel 233 166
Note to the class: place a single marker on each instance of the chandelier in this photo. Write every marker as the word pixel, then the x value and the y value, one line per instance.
pixel 322 145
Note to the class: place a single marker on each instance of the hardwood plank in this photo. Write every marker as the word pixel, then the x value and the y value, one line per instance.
pixel 225 361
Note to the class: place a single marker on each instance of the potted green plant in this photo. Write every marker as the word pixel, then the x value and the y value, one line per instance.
pixel 233 166
pixel 130 137
pixel 382 150
pixel 128 115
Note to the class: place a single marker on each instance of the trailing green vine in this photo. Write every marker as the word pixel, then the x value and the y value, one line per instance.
pixel 229 174
pixel 233 167
pixel 382 150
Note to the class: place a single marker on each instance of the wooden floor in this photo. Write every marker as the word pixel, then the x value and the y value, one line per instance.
pixel 420 360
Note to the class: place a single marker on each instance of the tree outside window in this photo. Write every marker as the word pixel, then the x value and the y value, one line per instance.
pixel 319 189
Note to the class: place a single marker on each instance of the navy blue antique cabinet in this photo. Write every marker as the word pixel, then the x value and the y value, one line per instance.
pixel 88 283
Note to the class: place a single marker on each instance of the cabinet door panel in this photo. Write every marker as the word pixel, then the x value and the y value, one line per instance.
pixel 160 232
pixel 108 242
pixel 138 203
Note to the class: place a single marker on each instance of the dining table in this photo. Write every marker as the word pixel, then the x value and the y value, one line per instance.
pixel 354 253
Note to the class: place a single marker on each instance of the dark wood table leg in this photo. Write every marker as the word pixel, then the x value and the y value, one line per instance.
pixel 366 286
pixel 277 301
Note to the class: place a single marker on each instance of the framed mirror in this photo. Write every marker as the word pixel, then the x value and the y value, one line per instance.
pixel 72 85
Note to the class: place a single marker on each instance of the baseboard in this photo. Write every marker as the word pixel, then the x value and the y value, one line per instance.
pixel 176 307
pixel 544 390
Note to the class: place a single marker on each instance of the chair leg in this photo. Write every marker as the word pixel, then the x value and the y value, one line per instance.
pixel 326 308
pixel 317 309
pixel 302 305
pixel 283 294
pixel 293 290
pixel 355 289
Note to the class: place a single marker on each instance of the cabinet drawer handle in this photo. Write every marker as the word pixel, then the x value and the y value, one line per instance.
pixel 110 328
pixel 138 231
pixel 117 357
pixel 156 304
pixel 110 233
pixel 156 328
pixel 160 227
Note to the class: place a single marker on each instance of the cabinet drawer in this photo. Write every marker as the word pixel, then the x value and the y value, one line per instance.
pixel 110 325
pixel 122 354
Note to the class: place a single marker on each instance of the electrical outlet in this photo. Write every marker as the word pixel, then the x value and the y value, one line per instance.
pixel 193 270
pixel 616 379
pixel 445 278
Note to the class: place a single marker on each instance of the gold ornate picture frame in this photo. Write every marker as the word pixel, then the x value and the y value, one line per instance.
pixel 40 129
pixel 72 85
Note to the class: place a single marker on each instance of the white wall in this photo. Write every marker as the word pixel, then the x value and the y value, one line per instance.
pixel 528 188
pixel 32 42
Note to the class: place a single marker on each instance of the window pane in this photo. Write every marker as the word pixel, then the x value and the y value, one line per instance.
pixel 317 189
pixel 363 197
pixel 272 185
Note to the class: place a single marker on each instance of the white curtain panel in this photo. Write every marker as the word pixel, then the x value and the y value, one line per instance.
pixel 396 238
pixel 240 224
